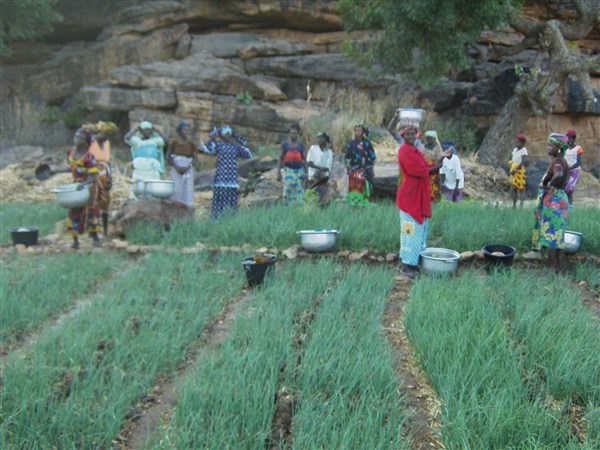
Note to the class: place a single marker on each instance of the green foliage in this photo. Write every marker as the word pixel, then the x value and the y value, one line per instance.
pixel 51 114
pixel 429 36
pixel 25 20
pixel 244 97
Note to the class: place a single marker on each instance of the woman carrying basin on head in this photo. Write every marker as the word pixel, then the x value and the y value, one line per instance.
pixel 413 199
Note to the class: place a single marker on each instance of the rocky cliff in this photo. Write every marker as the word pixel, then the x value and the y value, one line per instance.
pixel 246 63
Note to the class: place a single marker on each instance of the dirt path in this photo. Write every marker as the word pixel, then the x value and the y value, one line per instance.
pixel 423 424
pixel 590 299
pixel 155 408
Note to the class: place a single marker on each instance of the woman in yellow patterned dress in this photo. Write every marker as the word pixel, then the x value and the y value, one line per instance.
pixel 433 153
pixel 517 163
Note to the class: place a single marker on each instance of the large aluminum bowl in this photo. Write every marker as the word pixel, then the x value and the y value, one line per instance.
pixel 160 188
pixel 68 196
pixel 572 241
pixel 410 113
pixel 439 260
pixel 317 240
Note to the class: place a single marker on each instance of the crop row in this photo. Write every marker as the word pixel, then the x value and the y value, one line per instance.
pixel 75 385
pixel 229 401
pixel 346 385
pixel 464 226
pixel 498 349
pixel 35 289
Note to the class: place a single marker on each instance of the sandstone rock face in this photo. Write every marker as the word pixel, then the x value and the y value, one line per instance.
pixel 248 63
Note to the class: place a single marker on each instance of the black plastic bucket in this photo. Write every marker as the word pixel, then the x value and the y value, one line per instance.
pixel 25 235
pixel 257 266
pixel 505 259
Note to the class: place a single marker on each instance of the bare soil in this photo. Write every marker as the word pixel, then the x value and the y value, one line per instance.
pixel 423 424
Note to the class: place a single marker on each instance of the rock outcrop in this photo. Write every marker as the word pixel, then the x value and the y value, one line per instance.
pixel 248 64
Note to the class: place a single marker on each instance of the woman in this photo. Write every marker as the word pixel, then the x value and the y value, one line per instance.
pixel 413 199
pixel 292 158
pixel 225 186
pixel 182 154
pixel 100 150
pixel 553 204
pixel 433 152
pixel 517 163
pixel 85 171
pixel 146 143
pixel 573 157
pixel 360 161
pixel 319 161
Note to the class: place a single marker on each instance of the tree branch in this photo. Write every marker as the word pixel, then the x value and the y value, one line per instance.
pixel 500 52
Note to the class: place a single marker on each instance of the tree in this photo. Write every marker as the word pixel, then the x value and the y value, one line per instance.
pixel 25 20
pixel 428 37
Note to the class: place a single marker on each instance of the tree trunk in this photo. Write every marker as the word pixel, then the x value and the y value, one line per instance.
pixel 499 140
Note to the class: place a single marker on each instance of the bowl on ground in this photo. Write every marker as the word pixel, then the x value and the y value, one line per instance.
pixel 68 196
pixel 498 255
pixel 24 235
pixel 317 240
pixel 439 260
pixel 257 266
pixel 572 241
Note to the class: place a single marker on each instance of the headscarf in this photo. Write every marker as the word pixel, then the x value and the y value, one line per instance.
pixel 571 133
pixel 522 138
pixel 182 125
pixel 145 125
pixel 561 140
pixel 433 134
pixel 225 129
pixel 325 136
pixel 449 145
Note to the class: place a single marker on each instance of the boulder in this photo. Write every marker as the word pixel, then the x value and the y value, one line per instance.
pixel 20 155
pixel 111 98
pixel 386 178
pixel 261 164
pixel 155 210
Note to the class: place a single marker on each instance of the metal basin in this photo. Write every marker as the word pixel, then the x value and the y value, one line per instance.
pixel 68 196
pixel 317 240
pixel 139 188
pixel 160 188
pixel 439 260
pixel 572 241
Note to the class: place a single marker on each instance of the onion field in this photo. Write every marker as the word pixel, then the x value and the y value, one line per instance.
pixel 173 350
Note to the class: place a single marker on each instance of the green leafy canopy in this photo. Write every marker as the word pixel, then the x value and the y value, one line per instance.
pixel 427 37
pixel 25 20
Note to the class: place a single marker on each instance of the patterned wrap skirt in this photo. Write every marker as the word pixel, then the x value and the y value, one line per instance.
pixel 293 186
pixel 550 219
pixel 518 179
pixel 183 185
pixel 359 189
pixel 86 218
pixel 413 238
pixel 225 199
pixel 104 184
pixel 573 176
pixel 436 192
